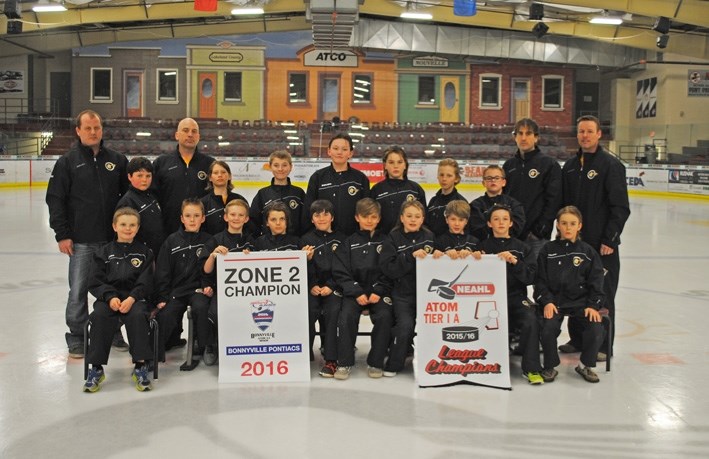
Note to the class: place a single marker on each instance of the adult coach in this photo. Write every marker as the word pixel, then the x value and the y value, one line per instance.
pixel 595 182
pixel 83 191
pixel 533 179
pixel 180 175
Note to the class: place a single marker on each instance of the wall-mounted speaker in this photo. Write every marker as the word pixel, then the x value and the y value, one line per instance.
pixel 540 29
pixel 662 41
pixel 662 25
pixel 536 12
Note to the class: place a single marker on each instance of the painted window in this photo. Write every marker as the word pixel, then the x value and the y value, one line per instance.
pixel 427 90
pixel 101 85
pixel 232 86
pixel 297 88
pixel 167 85
pixel 553 92
pixel 362 89
pixel 490 91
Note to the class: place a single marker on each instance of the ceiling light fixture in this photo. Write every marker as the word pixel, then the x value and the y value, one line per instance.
pixel 414 15
pixel 604 19
pixel 246 11
pixel 44 7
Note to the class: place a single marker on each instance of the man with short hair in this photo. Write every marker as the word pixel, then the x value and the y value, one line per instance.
pixel 181 175
pixel 594 181
pixel 83 190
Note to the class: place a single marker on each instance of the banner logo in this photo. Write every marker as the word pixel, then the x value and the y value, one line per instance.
pixel 262 312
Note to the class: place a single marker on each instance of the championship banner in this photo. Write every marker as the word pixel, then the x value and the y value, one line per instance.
pixel 263 317
pixel 462 322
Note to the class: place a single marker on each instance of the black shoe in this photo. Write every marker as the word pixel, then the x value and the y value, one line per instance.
pixel 568 348
pixel 119 343
pixel 210 356
pixel 177 344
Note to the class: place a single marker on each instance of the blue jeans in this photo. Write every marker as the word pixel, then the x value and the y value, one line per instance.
pixel 77 305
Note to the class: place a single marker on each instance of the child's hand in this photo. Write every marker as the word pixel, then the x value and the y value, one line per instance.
pixel 362 300
pixel 420 253
pixel 374 298
pixel 161 304
pixel 465 253
pixel 309 251
pixel 507 257
pixel 114 304
pixel 452 254
pixel 220 250
pixel 208 291
pixel 477 254
pixel 550 310
pixel 325 291
pixel 246 251
pixel 592 314
pixel 315 291
pixel 126 305
pixel 437 254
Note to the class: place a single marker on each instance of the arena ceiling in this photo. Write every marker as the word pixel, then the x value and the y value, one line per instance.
pixel 97 22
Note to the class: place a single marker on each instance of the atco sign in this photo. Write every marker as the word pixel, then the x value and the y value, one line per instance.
pixel 327 58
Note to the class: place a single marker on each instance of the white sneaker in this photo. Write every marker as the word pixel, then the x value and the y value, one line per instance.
pixel 374 372
pixel 342 373
pixel 389 374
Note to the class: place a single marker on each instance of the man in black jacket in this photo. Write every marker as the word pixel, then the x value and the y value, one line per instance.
pixel 594 181
pixel 83 190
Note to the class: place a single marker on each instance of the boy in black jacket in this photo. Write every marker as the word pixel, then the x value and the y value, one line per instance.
pixel 494 181
pixel 276 237
pixel 121 281
pixel 456 242
pixel 365 290
pixel 140 198
pixel 324 296
pixel 179 279
pixel 521 269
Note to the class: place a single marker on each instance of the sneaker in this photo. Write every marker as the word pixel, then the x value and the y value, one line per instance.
pixel 601 357
pixel 94 380
pixel 210 356
pixel 588 374
pixel 328 371
pixel 549 374
pixel 342 373
pixel 119 343
pixel 374 372
pixel 568 348
pixel 141 379
pixel 176 344
pixel 533 378
pixel 76 351
pixel 389 374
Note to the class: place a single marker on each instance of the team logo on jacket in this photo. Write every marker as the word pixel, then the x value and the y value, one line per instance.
pixel 136 262
pixel 293 204
pixel 334 246
pixel 200 252
pixel 428 249
pixel 202 175
pixel 387 300
pixel 379 248
pixel 577 261
pixel 410 197
pixel 262 312
pixel 592 174
pixel 533 173
pixel 352 190
pixel 110 166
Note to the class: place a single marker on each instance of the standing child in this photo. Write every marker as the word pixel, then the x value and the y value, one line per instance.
pixel 494 181
pixel 396 188
pixel 340 184
pixel 281 164
pixel 219 192
pixel 232 239
pixel 179 279
pixel 408 241
pixel 521 268
pixel 140 198
pixel 570 282
pixel 448 178
pixel 276 238
pixel 121 281
pixel 456 242
pixel 324 296
pixel 365 289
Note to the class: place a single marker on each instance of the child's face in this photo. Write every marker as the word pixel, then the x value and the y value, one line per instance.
pixel 219 176
pixel 500 222
pixel 192 217
pixel 236 217
pixel 140 179
pixel 280 168
pixel 368 222
pixel 339 152
pixel 446 178
pixel 395 166
pixel 323 221
pixel 494 182
pixel 456 224
pixel 126 227
pixel 412 219
pixel 568 226
pixel 276 222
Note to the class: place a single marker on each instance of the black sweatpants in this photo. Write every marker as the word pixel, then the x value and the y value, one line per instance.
pixel 104 323
pixel 348 325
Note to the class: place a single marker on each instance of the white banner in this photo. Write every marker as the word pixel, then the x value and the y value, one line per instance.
pixel 263 317
pixel 462 322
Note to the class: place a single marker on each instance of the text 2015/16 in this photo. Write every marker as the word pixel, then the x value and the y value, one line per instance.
pixel 264 368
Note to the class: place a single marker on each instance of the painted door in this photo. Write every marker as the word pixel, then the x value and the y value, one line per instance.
pixel 520 99
pixel 133 93
pixel 60 93
pixel 329 97
pixel 207 95
pixel 450 108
